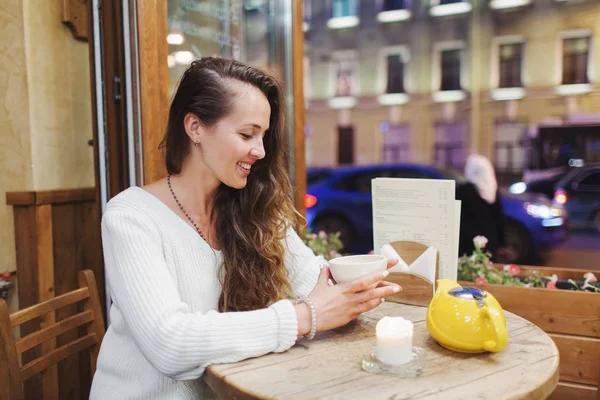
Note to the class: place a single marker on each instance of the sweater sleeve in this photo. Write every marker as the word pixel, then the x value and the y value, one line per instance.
pixel 178 342
pixel 303 265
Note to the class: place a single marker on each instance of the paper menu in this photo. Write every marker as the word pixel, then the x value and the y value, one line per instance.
pixel 420 210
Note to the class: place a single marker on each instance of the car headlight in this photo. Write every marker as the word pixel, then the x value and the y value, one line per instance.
pixel 518 188
pixel 543 211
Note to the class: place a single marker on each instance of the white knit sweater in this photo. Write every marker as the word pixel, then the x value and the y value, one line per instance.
pixel 165 328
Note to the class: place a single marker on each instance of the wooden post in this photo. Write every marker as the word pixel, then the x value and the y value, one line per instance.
pixel 45 274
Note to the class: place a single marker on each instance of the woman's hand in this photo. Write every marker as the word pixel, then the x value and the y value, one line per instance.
pixel 339 304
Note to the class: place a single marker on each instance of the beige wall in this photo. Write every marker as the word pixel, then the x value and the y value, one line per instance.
pixel 60 113
pixel 45 109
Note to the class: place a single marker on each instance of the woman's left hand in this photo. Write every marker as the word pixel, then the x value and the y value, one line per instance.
pixel 390 264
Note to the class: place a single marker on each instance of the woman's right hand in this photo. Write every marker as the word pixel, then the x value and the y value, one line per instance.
pixel 339 304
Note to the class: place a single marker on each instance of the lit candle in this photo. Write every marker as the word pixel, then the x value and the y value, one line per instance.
pixel 394 340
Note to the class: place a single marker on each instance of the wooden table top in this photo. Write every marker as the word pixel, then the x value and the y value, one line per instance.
pixel 329 366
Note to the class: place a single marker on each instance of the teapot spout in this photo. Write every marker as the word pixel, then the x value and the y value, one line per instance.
pixel 444 285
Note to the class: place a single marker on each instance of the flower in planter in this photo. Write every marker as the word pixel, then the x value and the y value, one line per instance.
pixel 323 244
pixel 480 241
pixel 512 269
pixel 480 281
pixel 479 269
pixel 551 284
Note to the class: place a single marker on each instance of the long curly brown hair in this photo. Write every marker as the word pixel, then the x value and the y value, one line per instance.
pixel 251 223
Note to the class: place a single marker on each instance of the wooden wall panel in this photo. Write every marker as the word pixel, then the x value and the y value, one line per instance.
pixel 579 358
pixel 573 391
pixel 555 311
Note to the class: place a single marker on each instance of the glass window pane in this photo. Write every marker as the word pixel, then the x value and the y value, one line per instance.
pixel 575 60
pixel 450 70
pixel 395 70
pixel 510 65
pixel 591 180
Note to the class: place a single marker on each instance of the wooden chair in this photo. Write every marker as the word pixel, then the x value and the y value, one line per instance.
pixel 14 374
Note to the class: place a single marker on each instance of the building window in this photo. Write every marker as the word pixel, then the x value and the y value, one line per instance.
pixel 395 74
pixel 343 8
pixel 509 147
pixel 450 69
pixel 396 143
pixel 345 145
pixel 511 59
pixel 392 5
pixel 344 74
pixel 575 60
pixel 450 148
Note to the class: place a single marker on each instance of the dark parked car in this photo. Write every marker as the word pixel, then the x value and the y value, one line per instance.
pixel 341 202
pixel 579 193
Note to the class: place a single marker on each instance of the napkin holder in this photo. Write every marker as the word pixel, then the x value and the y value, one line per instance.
pixel 416 290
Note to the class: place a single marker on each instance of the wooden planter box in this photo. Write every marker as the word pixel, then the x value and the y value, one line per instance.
pixel 571 318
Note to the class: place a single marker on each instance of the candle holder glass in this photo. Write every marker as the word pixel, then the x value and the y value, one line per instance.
pixel 412 368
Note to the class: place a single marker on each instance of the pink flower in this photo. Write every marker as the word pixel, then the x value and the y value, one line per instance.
pixel 550 285
pixel 480 281
pixel 554 278
pixel 480 241
pixel 334 254
pixel 312 236
pixel 512 269
pixel 590 278
pixel 322 235
pixel 371 252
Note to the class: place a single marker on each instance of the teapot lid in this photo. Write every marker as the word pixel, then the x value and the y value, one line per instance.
pixel 469 293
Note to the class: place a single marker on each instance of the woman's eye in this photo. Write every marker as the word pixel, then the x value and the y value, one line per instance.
pixel 246 136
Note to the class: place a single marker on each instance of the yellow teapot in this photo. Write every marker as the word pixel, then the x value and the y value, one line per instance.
pixel 466 319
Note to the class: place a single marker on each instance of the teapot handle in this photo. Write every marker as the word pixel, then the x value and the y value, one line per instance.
pixel 499 324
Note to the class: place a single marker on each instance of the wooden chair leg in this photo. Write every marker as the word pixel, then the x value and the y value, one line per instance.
pixel 10 373
pixel 87 279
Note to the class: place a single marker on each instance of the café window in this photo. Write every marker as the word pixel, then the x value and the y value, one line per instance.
pixel 510 65
pixel 450 64
pixel 575 57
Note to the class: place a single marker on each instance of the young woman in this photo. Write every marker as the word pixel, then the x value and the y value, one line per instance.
pixel 204 266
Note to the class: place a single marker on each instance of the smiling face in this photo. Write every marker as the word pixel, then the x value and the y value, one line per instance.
pixel 231 147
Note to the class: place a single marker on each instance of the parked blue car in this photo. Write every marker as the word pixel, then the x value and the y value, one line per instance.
pixel 339 200
pixel 579 193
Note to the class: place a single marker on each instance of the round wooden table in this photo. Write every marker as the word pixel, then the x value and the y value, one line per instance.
pixel 329 366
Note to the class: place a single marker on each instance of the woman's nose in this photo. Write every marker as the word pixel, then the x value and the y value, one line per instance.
pixel 258 150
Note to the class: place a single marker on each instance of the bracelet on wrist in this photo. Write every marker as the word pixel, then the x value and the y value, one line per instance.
pixel 313 315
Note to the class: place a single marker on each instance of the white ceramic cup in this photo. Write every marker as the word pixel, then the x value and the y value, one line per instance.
pixel 349 268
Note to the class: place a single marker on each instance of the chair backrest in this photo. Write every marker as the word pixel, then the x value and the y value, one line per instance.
pixel 14 374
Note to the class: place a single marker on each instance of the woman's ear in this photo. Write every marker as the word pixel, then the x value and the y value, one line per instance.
pixel 193 127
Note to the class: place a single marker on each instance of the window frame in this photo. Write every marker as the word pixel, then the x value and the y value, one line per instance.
pixel 574 88
pixel 436 71
pixel 344 101
pixel 383 97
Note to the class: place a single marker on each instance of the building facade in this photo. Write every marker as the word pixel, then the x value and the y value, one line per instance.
pixel 431 81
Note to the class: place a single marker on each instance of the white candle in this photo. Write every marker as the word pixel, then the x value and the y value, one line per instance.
pixel 394 340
